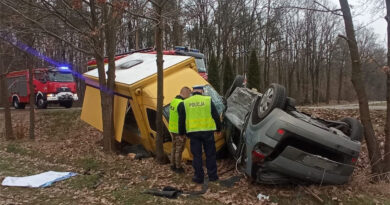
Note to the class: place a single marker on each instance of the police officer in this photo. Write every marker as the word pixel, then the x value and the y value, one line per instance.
pixel 178 141
pixel 198 118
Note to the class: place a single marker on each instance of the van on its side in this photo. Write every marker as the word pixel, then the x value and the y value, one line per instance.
pixel 135 100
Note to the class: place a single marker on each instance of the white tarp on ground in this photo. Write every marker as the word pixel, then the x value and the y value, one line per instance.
pixel 39 180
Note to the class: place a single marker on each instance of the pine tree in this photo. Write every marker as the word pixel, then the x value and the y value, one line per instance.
pixel 227 75
pixel 253 72
pixel 213 75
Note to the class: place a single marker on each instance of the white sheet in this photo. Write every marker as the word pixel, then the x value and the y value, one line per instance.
pixel 39 180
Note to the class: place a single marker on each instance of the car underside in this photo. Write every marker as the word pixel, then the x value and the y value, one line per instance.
pixel 274 143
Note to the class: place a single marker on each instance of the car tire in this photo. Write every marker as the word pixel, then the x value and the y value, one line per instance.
pixel 41 102
pixel 356 129
pixel 17 104
pixel 238 82
pixel 273 97
pixel 67 104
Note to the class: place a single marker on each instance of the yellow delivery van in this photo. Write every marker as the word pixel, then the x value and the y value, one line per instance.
pixel 135 98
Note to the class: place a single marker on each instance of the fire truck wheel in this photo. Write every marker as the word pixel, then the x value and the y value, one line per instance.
pixel 41 103
pixel 67 104
pixel 18 105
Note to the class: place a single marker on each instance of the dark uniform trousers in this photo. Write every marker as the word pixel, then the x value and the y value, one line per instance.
pixel 205 139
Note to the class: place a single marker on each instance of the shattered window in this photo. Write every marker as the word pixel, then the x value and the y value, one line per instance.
pixel 215 97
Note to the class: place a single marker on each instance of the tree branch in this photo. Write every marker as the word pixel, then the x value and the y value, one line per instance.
pixel 45 30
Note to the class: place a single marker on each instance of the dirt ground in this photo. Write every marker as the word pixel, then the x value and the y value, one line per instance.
pixel 65 143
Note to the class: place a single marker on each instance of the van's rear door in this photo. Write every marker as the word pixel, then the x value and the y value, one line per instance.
pixel 92 111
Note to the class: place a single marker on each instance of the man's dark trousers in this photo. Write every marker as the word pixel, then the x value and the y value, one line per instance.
pixel 205 138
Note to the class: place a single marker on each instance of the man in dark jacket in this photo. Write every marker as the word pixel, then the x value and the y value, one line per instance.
pixel 198 118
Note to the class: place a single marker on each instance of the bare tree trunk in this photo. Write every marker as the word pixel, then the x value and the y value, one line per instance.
pixel 161 158
pixel 136 34
pixel 387 127
pixel 340 81
pixel 7 112
pixel 30 65
pixel 358 83
pixel 328 65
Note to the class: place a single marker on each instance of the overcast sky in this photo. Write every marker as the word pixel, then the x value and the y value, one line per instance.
pixel 365 14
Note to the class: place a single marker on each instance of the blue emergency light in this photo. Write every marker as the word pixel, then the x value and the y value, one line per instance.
pixel 63 68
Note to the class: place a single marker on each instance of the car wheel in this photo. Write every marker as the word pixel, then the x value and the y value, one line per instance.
pixel 355 131
pixel 238 82
pixel 41 103
pixel 67 104
pixel 273 97
pixel 17 104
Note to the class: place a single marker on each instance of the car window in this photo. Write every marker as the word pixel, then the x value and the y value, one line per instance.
pixel 166 111
pixel 215 97
pixel 151 118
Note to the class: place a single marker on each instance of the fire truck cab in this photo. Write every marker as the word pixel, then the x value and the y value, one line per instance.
pixel 52 86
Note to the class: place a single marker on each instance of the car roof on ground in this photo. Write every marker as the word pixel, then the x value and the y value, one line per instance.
pixel 145 66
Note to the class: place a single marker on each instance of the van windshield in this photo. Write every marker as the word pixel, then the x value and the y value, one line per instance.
pixel 200 65
pixel 60 77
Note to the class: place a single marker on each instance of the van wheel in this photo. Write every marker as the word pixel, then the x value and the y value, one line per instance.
pixel 17 104
pixel 41 103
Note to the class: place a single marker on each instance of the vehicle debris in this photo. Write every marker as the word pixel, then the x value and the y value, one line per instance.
pixel 262 197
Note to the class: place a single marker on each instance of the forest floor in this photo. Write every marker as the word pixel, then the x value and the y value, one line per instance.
pixel 65 143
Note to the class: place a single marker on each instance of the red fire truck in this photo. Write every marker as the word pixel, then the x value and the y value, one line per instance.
pixel 52 85
pixel 178 50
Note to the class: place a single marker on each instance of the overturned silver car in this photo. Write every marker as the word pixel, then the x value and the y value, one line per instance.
pixel 275 143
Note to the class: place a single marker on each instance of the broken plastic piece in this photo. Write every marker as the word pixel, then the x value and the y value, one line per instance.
pixel 262 197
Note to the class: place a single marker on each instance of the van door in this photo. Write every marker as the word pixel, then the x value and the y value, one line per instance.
pixel 92 111
pixel 166 135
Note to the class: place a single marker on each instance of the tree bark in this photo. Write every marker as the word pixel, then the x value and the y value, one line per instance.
pixel 359 86
pixel 387 127
pixel 7 112
pixel 160 156
pixel 30 66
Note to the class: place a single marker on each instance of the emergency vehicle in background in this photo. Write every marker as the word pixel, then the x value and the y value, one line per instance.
pixel 178 50
pixel 52 85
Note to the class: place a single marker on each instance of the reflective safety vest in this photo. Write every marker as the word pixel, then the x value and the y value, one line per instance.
pixel 198 114
pixel 174 116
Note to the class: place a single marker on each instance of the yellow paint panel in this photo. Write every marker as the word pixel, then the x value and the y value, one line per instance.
pixel 173 82
pixel 92 111
pixel 120 105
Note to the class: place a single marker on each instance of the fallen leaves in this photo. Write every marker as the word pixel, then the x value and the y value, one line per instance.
pixel 118 173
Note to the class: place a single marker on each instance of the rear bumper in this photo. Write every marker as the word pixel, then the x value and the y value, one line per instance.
pixel 299 164
pixel 304 151
pixel 62 96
